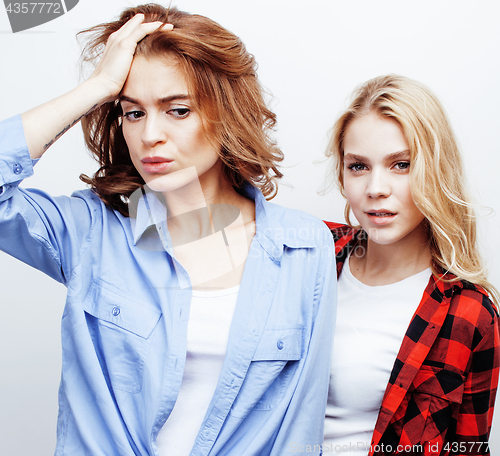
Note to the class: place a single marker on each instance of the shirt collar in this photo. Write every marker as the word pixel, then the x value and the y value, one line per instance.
pixel 278 227
pixel 150 212
pixel 272 231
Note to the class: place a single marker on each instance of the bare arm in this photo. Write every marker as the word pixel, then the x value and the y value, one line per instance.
pixel 46 123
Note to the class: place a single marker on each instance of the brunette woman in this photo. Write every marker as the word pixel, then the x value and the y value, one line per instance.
pixel 198 314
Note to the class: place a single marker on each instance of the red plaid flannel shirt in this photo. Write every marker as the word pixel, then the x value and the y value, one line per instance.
pixel 441 393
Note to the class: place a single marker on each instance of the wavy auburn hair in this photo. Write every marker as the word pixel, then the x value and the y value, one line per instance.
pixel 223 87
pixel 436 174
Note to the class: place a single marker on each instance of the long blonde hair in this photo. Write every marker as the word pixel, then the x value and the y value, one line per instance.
pixel 436 172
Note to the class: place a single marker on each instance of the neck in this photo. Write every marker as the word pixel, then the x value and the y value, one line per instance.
pixel 189 206
pixel 385 264
pixel 197 211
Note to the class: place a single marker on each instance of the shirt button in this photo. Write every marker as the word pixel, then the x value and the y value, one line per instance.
pixel 17 168
pixel 116 311
pixel 280 345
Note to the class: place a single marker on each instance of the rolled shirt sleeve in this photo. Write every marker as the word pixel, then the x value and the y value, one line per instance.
pixel 15 161
pixel 43 231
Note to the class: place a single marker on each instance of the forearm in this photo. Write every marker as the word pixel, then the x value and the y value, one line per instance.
pixel 46 123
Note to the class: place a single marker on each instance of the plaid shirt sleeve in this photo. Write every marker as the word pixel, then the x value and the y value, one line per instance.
pixel 476 409
pixel 440 397
pixel 443 404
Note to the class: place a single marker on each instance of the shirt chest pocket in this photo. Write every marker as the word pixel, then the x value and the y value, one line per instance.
pixel 121 330
pixel 437 394
pixel 273 364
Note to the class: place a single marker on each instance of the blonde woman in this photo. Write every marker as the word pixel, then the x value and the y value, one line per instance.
pixel 416 353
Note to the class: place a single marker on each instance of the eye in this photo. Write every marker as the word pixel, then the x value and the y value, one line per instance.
pixel 134 116
pixel 357 167
pixel 179 113
pixel 402 165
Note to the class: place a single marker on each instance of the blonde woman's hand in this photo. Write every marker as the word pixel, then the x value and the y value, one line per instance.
pixel 114 65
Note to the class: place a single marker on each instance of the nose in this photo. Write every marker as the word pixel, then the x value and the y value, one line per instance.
pixel 378 185
pixel 154 132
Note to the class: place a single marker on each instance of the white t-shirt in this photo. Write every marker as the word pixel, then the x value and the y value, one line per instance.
pixel 210 319
pixel 371 324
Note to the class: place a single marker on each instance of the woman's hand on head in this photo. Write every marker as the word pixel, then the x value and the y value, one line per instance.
pixel 44 124
pixel 114 65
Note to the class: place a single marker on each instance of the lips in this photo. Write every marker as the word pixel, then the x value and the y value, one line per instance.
pixel 154 165
pixel 380 216
pixel 381 213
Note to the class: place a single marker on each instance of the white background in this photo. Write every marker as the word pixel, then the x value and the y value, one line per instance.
pixel 311 55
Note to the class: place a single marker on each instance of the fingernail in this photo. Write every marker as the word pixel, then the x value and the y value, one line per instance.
pixel 168 27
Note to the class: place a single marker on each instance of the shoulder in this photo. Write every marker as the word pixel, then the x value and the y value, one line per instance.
pixel 472 318
pixel 97 208
pixel 342 234
pixel 298 218
pixel 337 229
pixel 346 239
pixel 472 303
pixel 297 226
pixel 90 199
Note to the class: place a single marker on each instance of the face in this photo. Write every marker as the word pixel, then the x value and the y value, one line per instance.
pixel 377 180
pixel 165 138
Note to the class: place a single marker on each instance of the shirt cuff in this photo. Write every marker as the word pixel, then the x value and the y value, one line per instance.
pixel 15 161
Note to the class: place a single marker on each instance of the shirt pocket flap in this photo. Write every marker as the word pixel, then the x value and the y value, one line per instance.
pixel 281 344
pixel 133 316
pixel 439 382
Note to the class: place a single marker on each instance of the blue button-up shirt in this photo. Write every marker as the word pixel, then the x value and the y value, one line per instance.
pixel 124 326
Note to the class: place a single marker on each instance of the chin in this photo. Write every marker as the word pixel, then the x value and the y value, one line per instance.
pixel 378 236
pixel 172 181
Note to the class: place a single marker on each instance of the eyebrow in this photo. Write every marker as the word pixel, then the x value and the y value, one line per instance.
pixel 178 96
pixel 403 154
